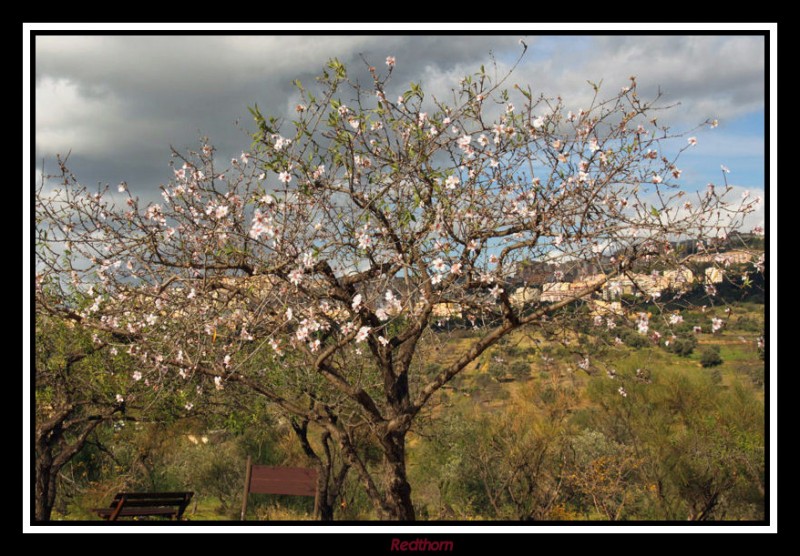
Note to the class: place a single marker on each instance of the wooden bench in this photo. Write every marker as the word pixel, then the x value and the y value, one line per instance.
pixel 264 479
pixel 146 504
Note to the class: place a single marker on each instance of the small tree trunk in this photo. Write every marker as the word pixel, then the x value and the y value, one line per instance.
pixel 45 488
pixel 398 494
pixel 324 505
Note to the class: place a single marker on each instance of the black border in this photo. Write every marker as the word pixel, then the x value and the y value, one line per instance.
pixel 476 540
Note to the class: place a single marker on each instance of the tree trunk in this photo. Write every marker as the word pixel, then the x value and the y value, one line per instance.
pixel 324 504
pixel 45 494
pixel 398 493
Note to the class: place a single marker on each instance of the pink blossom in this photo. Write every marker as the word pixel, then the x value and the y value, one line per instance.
pixel 692 141
pixel 296 276
pixel 716 325
pixel 356 302
pixel 302 333
pixel 364 239
pixel 308 259
pixel 383 341
pixel 137 375
pixel 496 291
pixel 622 392
pixel 657 179
pixel 218 383
pixel 697 329
pixel 280 142
pixel 455 269
pixel 451 182
pixel 362 334
pixel 656 336
pixel 675 319
pixel 643 323
pixel 390 61
pixel 119 398
pixel 275 345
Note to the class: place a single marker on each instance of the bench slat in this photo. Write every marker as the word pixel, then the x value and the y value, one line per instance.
pixel 141 504
pixel 143 511
pixel 152 495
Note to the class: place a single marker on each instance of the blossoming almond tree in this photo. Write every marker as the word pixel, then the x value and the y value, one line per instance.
pixel 314 267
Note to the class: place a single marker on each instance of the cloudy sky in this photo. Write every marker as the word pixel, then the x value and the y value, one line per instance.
pixel 119 102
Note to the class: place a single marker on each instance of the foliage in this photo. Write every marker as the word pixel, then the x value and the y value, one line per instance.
pixel 710 356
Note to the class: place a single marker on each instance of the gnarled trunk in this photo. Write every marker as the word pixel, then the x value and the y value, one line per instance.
pixel 398 491
pixel 45 487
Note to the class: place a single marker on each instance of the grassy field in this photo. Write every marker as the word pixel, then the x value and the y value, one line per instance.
pixel 508 377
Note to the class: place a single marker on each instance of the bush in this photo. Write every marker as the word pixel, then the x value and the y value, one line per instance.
pixel 710 357
pixel 683 346
pixel 634 339
pixel 520 370
pixel 747 324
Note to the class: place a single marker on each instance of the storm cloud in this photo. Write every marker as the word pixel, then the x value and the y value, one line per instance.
pixel 117 103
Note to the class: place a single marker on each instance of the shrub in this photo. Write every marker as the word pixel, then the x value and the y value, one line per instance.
pixel 710 357
pixel 520 370
pixel 683 346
